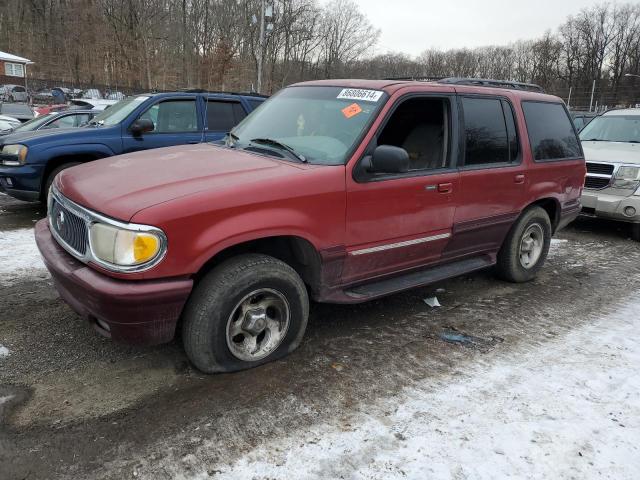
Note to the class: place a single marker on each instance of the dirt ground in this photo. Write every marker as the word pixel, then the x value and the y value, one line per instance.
pixel 75 405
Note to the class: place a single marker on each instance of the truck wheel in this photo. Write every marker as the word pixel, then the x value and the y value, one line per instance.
pixel 635 232
pixel 248 311
pixel 51 177
pixel 526 247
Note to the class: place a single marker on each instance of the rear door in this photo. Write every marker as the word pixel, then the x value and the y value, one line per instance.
pixel 176 122
pixel 493 178
pixel 400 221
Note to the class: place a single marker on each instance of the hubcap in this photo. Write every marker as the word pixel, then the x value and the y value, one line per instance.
pixel 258 324
pixel 531 245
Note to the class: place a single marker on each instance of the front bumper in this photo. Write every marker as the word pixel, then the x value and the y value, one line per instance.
pixel 139 312
pixel 607 205
pixel 22 182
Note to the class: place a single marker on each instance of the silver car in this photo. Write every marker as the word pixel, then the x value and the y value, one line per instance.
pixel 611 144
pixel 15 93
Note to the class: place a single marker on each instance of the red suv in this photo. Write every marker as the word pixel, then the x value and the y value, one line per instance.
pixel 339 190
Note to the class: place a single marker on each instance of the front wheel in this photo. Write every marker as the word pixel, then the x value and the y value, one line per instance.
pixel 526 247
pixel 52 176
pixel 635 231
pixel 248 311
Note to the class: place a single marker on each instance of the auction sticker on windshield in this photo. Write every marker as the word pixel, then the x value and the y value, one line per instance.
pixel 359 94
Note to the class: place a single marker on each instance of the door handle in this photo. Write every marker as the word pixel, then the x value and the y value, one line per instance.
pixel 519 178
pixel 445 187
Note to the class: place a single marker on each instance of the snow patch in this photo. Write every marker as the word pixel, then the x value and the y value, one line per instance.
pixel 5 399
pixel 19 257
pixel 4 352
pixel 569 408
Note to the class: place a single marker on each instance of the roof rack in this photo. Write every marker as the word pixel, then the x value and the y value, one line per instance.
pixel 415 78
pixel 200 90
pixel 484 82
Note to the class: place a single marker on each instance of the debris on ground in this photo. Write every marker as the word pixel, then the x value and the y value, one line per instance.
pixel 432 302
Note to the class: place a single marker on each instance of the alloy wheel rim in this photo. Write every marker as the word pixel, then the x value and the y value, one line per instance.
pixel 258 324
pixel 531 245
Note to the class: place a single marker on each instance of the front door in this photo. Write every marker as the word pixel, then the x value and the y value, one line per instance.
pixel 176 122
pixel 400 221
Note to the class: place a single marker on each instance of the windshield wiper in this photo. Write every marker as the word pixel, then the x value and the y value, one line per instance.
pixel 281 146
pixel 594 140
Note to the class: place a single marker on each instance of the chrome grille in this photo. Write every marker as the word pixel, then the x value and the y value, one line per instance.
pixel 69 227
pixel 596 182
pixel 600 168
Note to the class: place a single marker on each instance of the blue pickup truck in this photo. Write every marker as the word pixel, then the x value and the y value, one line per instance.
pixel 29 161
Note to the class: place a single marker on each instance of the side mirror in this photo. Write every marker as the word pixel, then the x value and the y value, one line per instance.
pixel 389 159
pixel 142 125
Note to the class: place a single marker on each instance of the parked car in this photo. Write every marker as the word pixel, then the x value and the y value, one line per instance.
pixel 611 145
pixel 582 119
pixel 92 93
pixel 48 121
pixel 338 190
pixel 7 124
pixel 43 97
pixel 115 96
pixel 50 108
pixel 21 111
pixel 14 93
pixel 92 103
pixel 30 160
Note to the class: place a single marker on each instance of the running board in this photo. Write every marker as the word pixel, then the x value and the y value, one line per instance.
pixel 418 278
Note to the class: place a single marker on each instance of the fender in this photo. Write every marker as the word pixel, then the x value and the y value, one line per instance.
pixel 253 225
pixel 90 149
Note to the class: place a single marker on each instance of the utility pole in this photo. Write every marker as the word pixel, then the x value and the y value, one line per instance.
pixel 593 90
pixel 261 46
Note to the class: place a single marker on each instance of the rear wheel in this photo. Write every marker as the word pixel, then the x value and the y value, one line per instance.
pixel 248 311
pixel 52 175
pixel 526 247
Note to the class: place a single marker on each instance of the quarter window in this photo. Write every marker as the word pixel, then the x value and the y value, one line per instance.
pixel 489 137
pixel 551 131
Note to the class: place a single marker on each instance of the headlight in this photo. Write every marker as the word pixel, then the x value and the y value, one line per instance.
pixel 125 248
pixel 14 155
pixel 627 177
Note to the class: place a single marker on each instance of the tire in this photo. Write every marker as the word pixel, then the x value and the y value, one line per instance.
pixel 533 225
pixel 225 300
pixel 635 232
pixel 51 177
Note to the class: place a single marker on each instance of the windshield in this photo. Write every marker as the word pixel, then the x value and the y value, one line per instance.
pixel 33 124
pixel 613 128
pixel 321 124
pixel 118 112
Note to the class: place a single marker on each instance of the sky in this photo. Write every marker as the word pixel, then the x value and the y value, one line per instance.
pixel 412 26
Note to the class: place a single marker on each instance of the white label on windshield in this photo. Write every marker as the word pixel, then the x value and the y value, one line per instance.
pixel 359 94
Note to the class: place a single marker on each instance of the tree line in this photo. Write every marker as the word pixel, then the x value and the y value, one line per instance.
pixel 135 45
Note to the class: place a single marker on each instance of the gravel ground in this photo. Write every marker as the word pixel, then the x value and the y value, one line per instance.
pixel 368 388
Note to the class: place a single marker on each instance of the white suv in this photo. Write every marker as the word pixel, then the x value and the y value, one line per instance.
pixel 611 144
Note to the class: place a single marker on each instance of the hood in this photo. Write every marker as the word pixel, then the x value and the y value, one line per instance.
pixel 35 137
pixel 611 152
pixel 123 185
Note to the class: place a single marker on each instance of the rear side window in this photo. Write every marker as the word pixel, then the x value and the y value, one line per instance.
pixel 223 116
pixel 551 131
pixel 490 132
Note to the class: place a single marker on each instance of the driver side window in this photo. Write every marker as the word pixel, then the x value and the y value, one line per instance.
pixel 421 127
pixel 173 116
